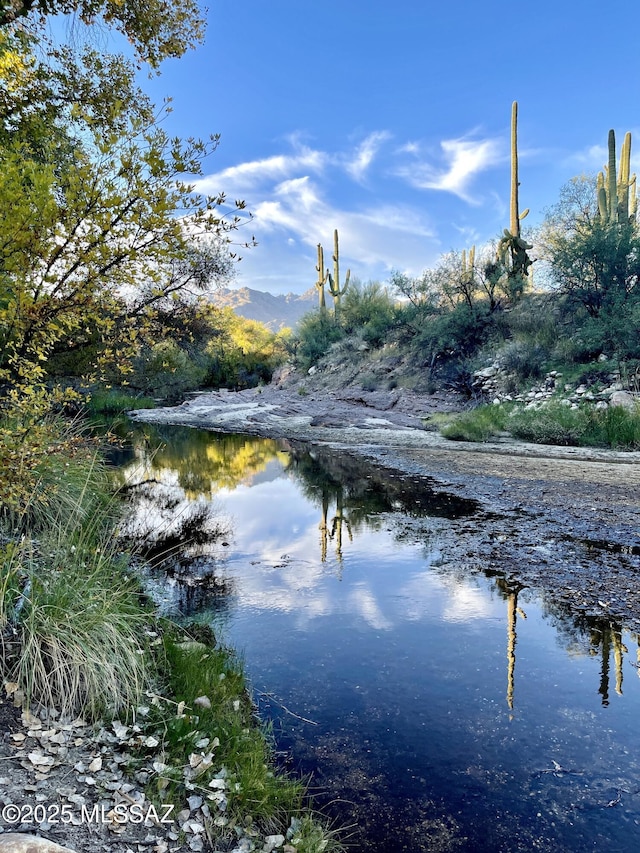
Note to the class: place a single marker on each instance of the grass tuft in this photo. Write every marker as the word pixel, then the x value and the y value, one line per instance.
pixel 79 622
pixel 116 402
pixel 479 424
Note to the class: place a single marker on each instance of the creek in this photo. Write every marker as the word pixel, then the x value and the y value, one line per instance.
pixel 434 705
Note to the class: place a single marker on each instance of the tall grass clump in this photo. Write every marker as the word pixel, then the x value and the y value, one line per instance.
pixel 78 626
pixel 112 402
pixel 618 428
pixel 479 424
pixel 555 423
pixel 70 615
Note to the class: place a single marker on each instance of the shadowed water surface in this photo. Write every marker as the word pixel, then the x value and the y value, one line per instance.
pixel 435 707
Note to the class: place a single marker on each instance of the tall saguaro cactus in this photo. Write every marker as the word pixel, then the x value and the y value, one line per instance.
pixel 335 290
pixel 468 268
pixel 322 277
pixel 515 183
pixel 512 249
pixel 617 200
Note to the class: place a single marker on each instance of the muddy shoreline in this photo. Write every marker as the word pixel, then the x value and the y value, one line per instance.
pixel 563 520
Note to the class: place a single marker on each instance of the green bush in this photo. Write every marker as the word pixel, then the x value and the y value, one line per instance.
pixel 526 358
pixel 167 371
pixel 369 311
pixel 316 332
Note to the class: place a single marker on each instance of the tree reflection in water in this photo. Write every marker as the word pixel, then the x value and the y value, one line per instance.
pixel 173 475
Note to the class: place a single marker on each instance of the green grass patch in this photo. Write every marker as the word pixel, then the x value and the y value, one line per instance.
pixel 478 424
pixel 552 423
pixel 214 745
pixel 616 428
pixel 114 402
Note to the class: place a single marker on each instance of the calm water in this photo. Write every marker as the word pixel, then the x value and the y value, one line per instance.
pixel 436 708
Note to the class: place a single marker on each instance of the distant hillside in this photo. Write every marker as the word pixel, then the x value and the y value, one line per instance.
pixel 276 312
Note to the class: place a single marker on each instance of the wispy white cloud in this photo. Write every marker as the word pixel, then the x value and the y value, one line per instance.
pixel 464 159
pixel 591 159
pixel 255 173
pixel 365 153
pixel 373 240
pixel 299 196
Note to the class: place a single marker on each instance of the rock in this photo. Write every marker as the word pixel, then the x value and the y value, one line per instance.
pixel 272 841
pixel 487 373
pixel 624 399
pixel 202 702
pixel 313 369
pixel 21 842
pixel 281 374
pixel 601 404
pixel 602 357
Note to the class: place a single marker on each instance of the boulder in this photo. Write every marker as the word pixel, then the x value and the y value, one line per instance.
pixel 624 399
pixel 21 842
pixel 487 373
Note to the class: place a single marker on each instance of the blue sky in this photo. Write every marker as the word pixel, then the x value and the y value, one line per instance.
pixel 390 121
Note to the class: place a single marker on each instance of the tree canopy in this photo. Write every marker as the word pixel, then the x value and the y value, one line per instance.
pixel 105 224
pixel 157 29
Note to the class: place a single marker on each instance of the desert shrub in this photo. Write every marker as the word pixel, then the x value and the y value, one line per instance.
pixel 457 375
pixel 369 310
pixel 167 371
pixel 369 383
pixel 525 358
pixel 316 332
pixel 536 318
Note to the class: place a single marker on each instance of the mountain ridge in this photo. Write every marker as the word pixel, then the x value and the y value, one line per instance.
pixel 276 311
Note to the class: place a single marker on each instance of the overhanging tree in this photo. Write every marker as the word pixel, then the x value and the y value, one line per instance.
pixel 157 29
pixel 102 227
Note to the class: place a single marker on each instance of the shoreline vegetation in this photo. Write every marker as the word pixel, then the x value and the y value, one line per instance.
pixel 553 423
pixel 80 639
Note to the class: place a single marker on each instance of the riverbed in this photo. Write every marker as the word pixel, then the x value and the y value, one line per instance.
pixel 399 635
